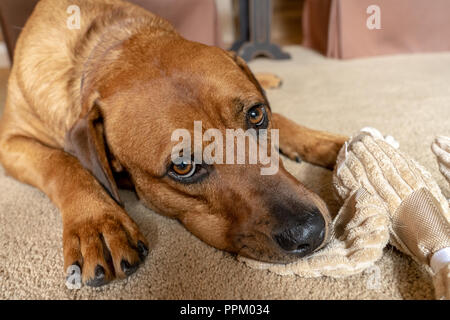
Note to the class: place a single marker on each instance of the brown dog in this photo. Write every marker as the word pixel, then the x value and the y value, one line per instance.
pixel 86 106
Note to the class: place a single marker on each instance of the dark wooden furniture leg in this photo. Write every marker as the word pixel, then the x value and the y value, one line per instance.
pixel 255 21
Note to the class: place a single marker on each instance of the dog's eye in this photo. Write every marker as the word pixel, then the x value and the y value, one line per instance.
pixel 187 172
pixel 256 116
pixel 184 169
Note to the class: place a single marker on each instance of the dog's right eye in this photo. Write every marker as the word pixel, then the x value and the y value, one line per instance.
pixel 183 169
pixel 188 172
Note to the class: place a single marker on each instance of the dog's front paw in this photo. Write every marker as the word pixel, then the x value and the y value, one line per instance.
pixel 99 248
pixel 323 153
pixel 290 153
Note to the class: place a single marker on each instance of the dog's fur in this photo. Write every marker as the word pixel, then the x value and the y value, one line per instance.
pixel 90 107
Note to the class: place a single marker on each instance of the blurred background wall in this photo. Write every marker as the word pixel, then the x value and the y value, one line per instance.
pixel 286 24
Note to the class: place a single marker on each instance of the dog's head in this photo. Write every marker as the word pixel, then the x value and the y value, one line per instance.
pixel 146 93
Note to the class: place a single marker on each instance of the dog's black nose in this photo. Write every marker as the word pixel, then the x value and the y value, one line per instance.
pixel 303 238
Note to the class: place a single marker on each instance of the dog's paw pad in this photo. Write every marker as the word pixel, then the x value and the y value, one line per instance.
pixel 268 80
pixel 73 279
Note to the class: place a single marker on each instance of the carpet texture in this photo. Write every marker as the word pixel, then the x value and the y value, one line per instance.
pixel 405 96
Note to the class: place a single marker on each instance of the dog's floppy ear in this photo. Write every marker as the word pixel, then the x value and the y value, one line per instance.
pixel 86 141
pixel 244 67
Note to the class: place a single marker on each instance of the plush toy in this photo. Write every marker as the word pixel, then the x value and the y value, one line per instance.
pixel 441 148
pixel 388 198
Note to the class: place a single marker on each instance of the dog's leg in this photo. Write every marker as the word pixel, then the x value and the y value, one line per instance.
pixel 98 235
pixel 300 143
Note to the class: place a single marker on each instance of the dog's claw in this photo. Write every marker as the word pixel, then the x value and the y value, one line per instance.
pixel 143 250
pixel 99 278
pixel 127 268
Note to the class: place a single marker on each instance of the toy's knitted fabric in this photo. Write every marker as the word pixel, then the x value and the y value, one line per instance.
pixel 359 234
pixel 441 148
pixel 388 197
pixel 418 212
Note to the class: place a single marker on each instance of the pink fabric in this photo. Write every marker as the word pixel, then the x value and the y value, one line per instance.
pixel 338 29
pixel 195 20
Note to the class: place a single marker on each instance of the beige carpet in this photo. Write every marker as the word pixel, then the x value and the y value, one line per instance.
pixel 406 96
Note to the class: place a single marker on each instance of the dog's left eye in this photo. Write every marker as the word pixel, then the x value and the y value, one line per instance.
pixel 184 169
pixel 257 117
